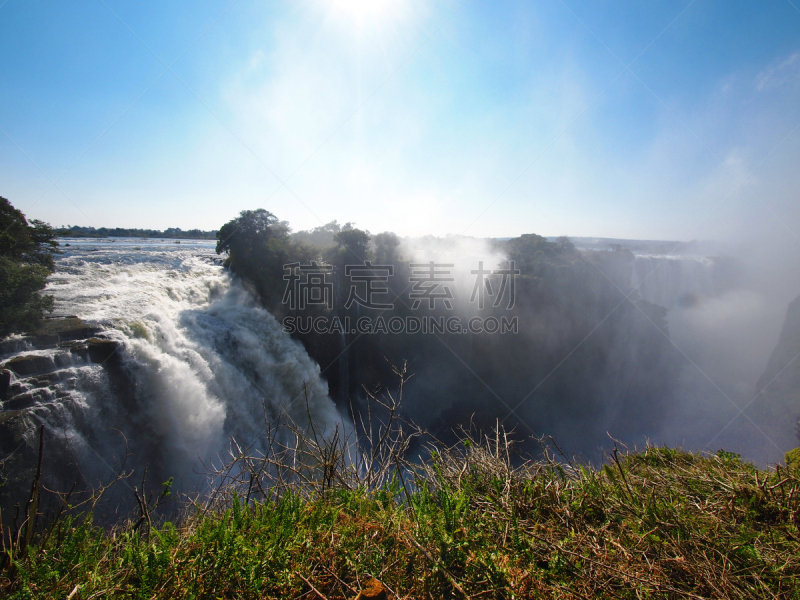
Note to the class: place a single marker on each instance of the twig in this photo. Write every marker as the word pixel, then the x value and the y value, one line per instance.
pixel 444 569
pixel 311 585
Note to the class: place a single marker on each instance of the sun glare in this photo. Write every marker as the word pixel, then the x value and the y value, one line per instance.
pixel 364 9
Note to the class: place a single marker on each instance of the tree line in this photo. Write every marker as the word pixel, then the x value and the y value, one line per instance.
pixel 103 232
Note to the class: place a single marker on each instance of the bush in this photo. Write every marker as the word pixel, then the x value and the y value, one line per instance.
pixel 793 459
pixel 26 259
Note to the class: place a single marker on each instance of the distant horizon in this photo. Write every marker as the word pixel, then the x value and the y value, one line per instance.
pixel 597 239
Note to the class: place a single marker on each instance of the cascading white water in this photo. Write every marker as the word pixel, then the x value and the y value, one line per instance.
pixel 206 363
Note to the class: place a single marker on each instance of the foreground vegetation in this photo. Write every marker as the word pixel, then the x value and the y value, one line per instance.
pixel 660 523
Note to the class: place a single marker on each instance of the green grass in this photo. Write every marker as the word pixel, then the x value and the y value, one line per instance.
pixel 661 523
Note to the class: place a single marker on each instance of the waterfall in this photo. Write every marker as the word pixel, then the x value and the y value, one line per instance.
pixel 194 359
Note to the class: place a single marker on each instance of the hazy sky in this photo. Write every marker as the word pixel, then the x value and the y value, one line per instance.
pixel 483 118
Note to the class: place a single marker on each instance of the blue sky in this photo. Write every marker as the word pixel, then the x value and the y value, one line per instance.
pixel 477 118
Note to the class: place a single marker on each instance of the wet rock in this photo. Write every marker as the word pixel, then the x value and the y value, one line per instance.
pixel 28 398
pixel 5 382
pixel 20 402
pixel 12 431
pixel 15 389
pixel 80 350
pixel 30 364
pixel 62 329
pixel 102 351
pixel 14 345
pixel 63 360
pixel 45 380
pixel 7 415
pixel 373 590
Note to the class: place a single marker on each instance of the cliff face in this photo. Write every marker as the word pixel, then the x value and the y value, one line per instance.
pixel 779 386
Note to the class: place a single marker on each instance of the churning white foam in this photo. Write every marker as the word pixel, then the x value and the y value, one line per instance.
pixel 206 362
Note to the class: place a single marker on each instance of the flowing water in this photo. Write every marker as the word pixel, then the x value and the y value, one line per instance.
pixel 198 362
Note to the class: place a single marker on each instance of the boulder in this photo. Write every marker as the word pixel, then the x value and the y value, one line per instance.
pixel 30 364
pixel 81 350
pixel 21 402
pixel 45 380
pixel 62 329
pixel 101 351
pixel 16 388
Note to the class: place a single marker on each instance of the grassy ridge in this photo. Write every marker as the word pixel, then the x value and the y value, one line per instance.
pixel 656 524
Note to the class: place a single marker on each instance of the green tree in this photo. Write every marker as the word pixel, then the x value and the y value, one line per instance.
pixel 353 244
pixel 251 231
pixel 258 246
pixel 386 244
pixel 320 237
pixel 532 253
pixel 26 259
pixel 565 244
